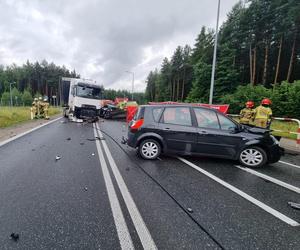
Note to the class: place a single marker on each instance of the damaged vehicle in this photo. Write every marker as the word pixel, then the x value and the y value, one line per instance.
pixel 189 130
pixel 80 98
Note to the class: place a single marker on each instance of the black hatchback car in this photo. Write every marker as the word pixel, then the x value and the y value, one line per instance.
pixel 192 130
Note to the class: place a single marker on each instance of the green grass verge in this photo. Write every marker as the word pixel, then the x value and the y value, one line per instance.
pixel 14 115
pixel 286 126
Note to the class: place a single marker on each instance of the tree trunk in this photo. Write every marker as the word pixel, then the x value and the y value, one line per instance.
pixel 250 64
pixel 266 63
pixel 170 88
pixel 278 60
pixel 174 87
pixel 292 59
pixel 254 65
pixel 183 83
pixel 178 88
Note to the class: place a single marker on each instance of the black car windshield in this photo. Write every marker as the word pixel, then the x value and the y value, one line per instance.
pixel 88 92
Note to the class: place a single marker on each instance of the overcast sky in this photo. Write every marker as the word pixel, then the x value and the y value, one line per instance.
pixel 102 39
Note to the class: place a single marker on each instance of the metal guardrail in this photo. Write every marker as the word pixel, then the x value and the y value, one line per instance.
pixel 284 119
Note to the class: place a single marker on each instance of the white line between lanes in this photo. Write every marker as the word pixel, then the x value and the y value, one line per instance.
pixel 256 202
pixel 27 132
pixel 120 223
pixel 290 164
pixel 269 178
pixel 141 228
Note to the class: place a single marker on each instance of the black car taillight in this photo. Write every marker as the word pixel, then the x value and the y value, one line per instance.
pixel 136 125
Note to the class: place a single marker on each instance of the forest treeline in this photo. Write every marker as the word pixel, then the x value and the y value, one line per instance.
pixel 31 79
pixel 258 46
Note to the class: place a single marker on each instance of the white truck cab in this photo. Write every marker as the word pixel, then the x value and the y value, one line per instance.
pixel 80 98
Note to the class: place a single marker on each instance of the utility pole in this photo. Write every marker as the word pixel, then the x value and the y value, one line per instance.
pixel 214 58
pixel 132 87
pixel 11 103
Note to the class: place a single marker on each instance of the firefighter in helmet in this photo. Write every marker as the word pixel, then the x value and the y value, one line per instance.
pixel 247 114
pixel 46 107
pixel 34 109
pixel 263 114
pixel 40 107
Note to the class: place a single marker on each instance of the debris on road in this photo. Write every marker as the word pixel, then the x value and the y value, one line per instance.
pixel 81 143
pixel 93 154
pixel 57 158
pixel 124 140
pixel 127 169
pixel 68 139
pixel 190 210
pixel 96 138
pixel 294 205
pixel 14 236
pixel 85 189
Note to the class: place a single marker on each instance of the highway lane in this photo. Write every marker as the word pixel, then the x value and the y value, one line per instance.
pixel 234 221
pixel 81 202
pixel 64 204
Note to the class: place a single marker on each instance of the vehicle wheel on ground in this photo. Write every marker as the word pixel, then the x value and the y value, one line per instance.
pixel 149 149
pixel 253 157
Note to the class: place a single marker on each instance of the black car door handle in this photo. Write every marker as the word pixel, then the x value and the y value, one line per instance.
pixel 166 128
pixel 203 132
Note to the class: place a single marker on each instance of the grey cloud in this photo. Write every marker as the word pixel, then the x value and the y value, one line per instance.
pixel 103 34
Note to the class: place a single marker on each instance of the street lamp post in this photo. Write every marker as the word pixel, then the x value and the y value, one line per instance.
pixel 214 58
pixel 132 87
pixel 10 92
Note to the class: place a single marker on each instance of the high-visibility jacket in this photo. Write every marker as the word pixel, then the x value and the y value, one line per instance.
pixel 262 112
pixel 246 115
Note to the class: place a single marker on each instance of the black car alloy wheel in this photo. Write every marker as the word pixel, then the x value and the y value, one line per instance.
pixel 253 157
pixel 149 149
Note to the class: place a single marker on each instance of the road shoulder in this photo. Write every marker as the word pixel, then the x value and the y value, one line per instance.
pixel 10 132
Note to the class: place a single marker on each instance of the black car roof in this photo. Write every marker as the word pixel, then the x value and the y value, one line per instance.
pixel 177 105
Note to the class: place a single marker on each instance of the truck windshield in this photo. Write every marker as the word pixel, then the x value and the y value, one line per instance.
pixel 88 92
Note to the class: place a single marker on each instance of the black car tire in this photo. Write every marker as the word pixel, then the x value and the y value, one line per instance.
pixel 149 149
pixel 253 157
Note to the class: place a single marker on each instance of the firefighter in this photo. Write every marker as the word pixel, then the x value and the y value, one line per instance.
pixel 40 107
pixel 34 109
pixel 247 114
pixel 263 114
pixel 46 108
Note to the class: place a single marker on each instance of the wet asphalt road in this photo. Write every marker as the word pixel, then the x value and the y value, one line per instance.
pixel 66 204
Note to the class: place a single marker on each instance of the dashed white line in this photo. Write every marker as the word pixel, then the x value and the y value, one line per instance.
pixel 138 222
pixel 290 164
pixel 27 132
pixel 121 226
pixel 256 202
pixel 269 178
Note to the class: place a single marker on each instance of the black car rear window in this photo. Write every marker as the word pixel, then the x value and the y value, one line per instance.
pixel 156 113
pixel 139 114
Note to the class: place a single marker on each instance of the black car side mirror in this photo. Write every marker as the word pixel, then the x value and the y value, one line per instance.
pixel 234 130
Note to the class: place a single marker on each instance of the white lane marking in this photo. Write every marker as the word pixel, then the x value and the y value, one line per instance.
pixel 290 164
pixel 120 223
pixel 27 132
pixel 269 178
pixel 256 202
pixel 141 228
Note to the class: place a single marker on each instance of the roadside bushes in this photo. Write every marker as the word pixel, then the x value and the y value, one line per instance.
pixel 285 98
pixel 18 98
